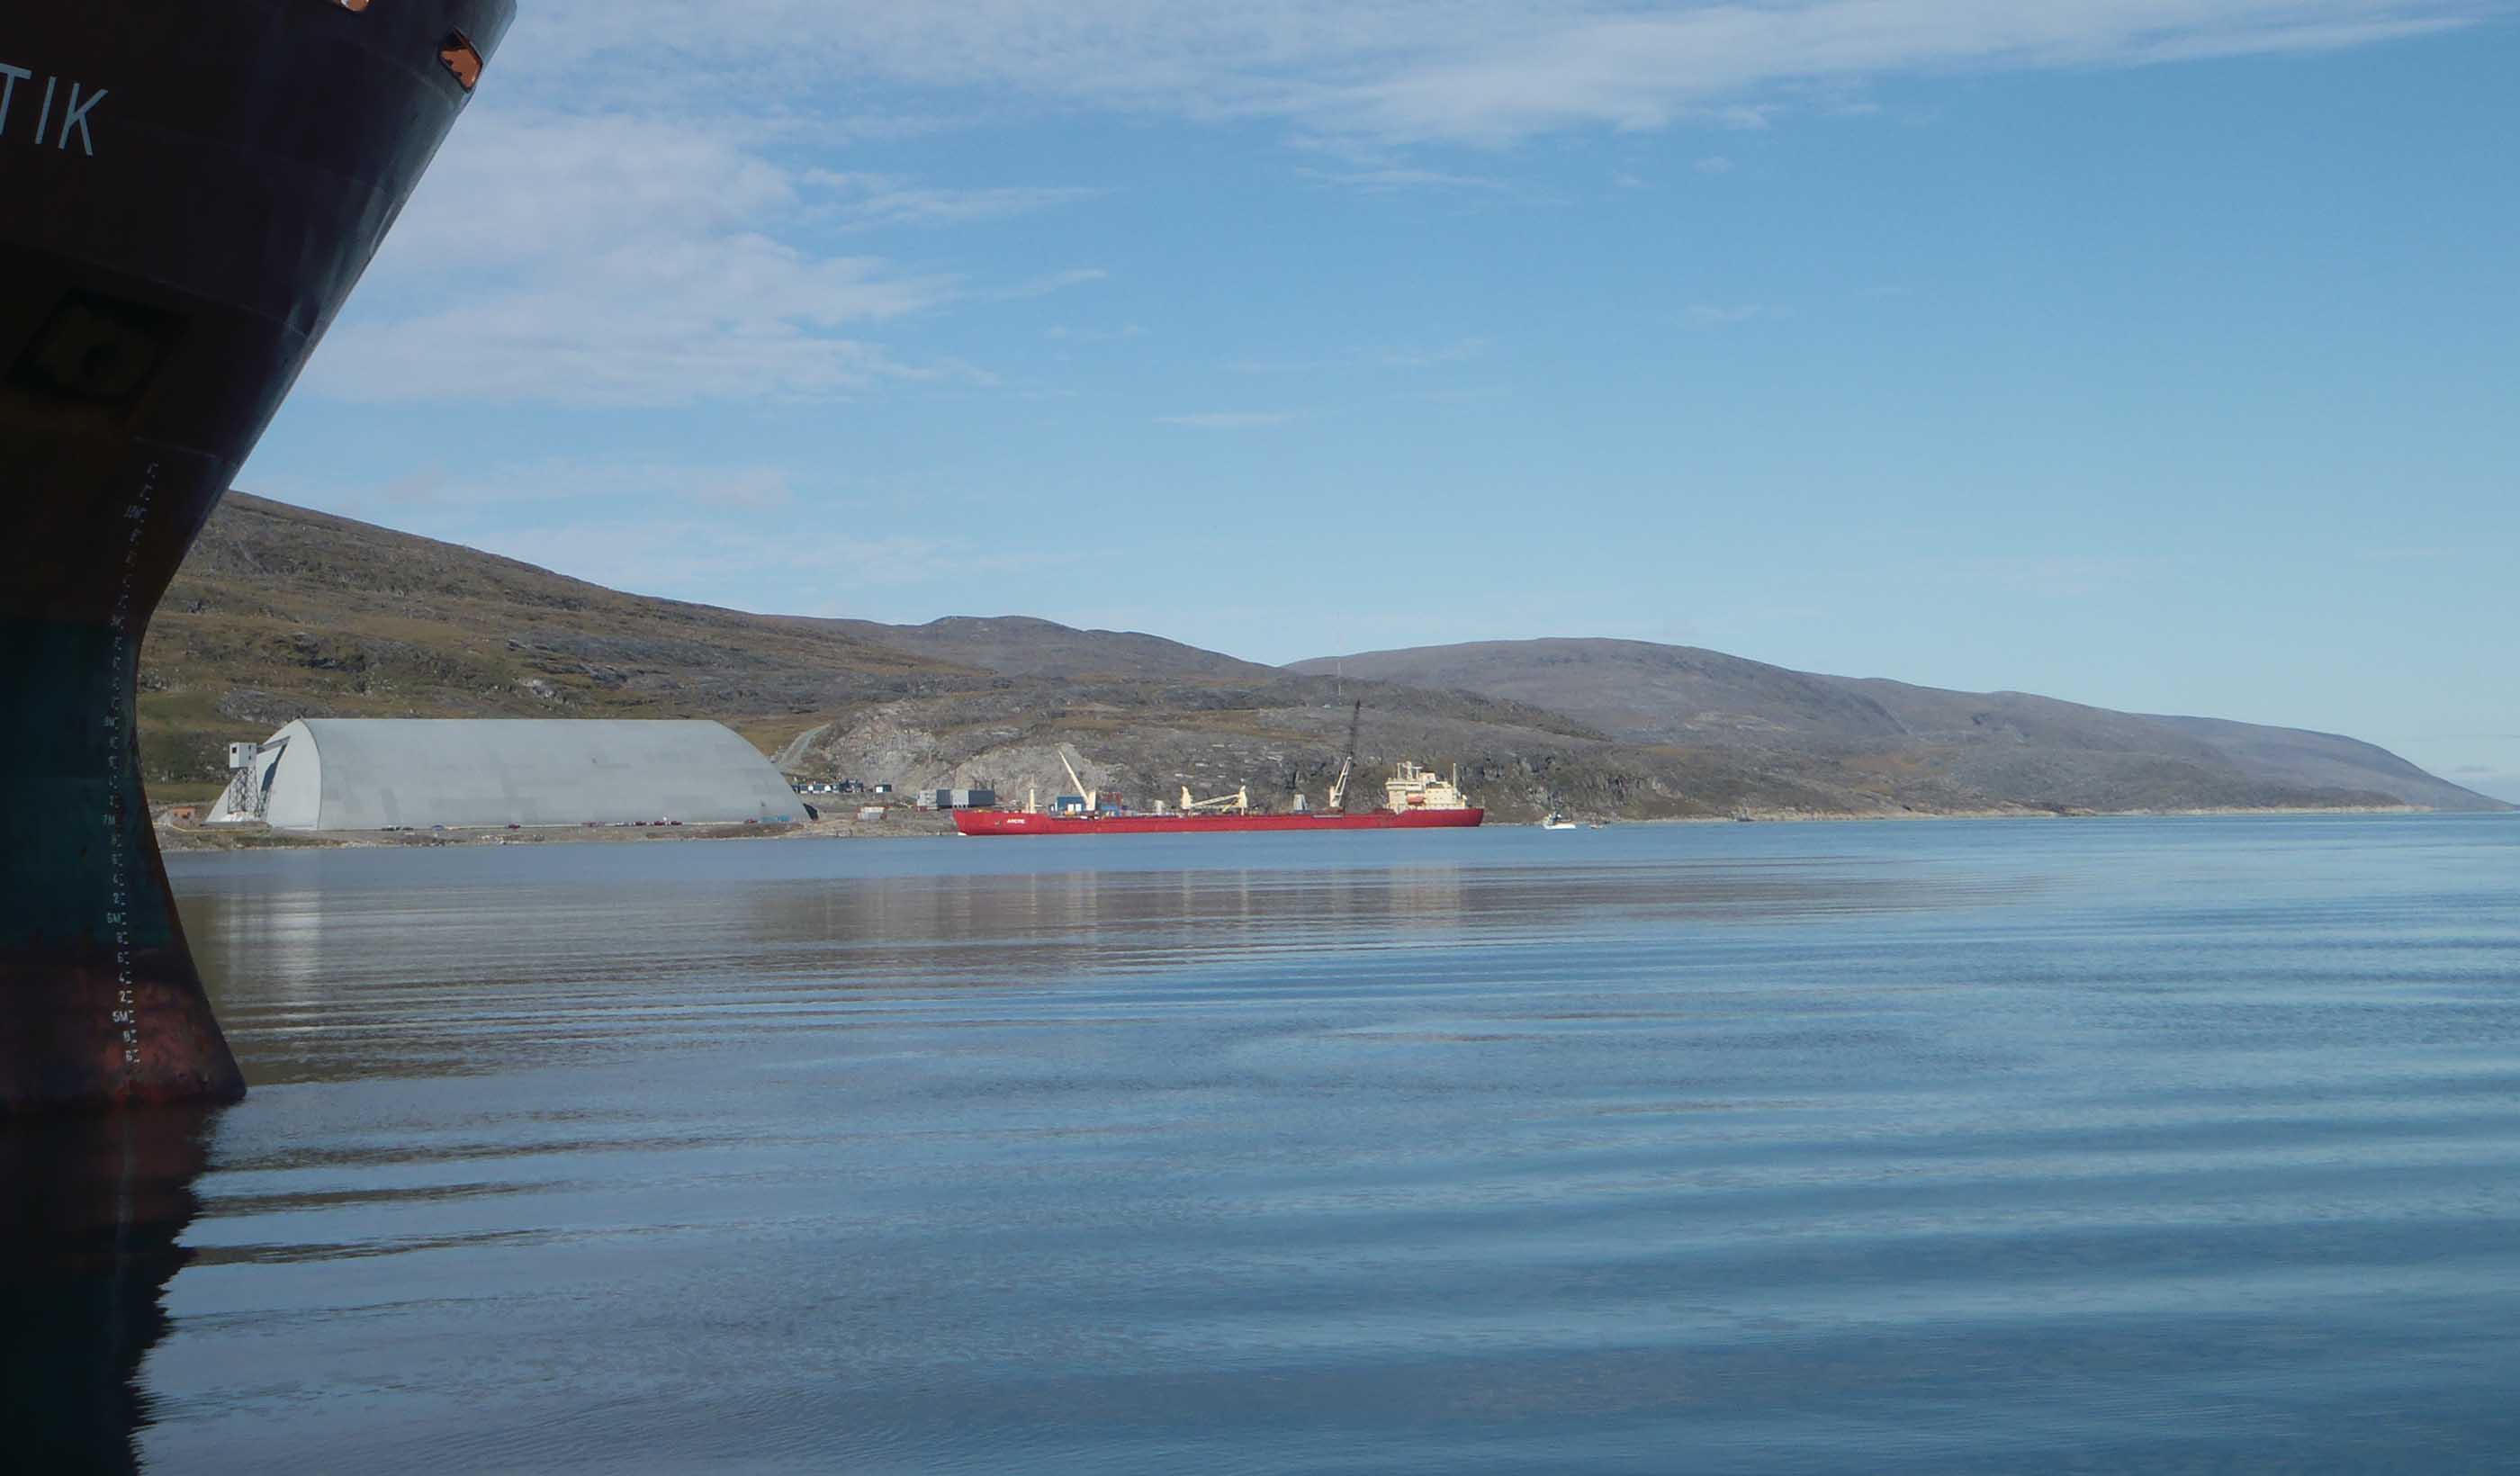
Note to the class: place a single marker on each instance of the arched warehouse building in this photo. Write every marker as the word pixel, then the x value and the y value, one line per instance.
pixel 366 774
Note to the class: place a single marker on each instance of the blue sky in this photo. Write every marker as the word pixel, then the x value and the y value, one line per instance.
pixel 2152 353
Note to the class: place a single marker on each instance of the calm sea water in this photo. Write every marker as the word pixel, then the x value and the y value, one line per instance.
pixel 2102 1145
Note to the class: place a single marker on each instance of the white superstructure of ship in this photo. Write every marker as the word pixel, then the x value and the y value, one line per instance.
pixel 1411 788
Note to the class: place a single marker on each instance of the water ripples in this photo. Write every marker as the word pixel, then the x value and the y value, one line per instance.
pixel 1967 1148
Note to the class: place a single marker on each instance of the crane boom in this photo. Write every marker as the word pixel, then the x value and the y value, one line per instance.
pixel 1236 803
pixel 1088 795
pixel 1347 763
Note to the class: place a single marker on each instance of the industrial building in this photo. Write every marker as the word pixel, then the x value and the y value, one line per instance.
pixel 341 773
pixel 957 799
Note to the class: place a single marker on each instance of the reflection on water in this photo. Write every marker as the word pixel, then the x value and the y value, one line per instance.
pixel 435 969
pixel 89 1230
pixel 1921 1148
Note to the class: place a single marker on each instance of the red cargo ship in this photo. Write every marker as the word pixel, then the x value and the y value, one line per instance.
pixel 1017 823
pixel 1419 801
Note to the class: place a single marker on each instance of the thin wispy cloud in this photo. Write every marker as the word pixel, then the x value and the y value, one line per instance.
pixel 1434 356
pixel 665 322
pixel 868 202
pixel 1625 68
pixel 1228 420
pixel 557 480
pixel 1065 333
pixel 1394 178
pixel 608 259
pixel 1052 282
pixel 592 238
pixel 757 489
pixel 1712 315
pixel 1371 358
pixel 1481 71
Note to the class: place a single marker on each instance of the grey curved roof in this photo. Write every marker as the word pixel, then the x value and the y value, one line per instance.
pixel 364 774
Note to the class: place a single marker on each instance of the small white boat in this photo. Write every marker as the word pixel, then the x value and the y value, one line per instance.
pixel 1557 822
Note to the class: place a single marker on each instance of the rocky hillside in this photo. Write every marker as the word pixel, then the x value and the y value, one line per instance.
pixel 2005 746
pixel 282 613
pixel 279 612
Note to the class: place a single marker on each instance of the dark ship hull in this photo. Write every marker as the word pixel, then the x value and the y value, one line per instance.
pixel 91 1231
pixel 188 192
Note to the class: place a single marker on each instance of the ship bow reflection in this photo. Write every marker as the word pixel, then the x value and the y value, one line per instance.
pixel 91 1216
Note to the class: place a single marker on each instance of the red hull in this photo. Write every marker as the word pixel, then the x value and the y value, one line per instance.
pixel 1016 823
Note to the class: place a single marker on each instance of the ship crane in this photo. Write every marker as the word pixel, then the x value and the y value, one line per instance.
pixel 1418 800
pixel 1347 764
pixel 1090 796
pixel 1236 803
